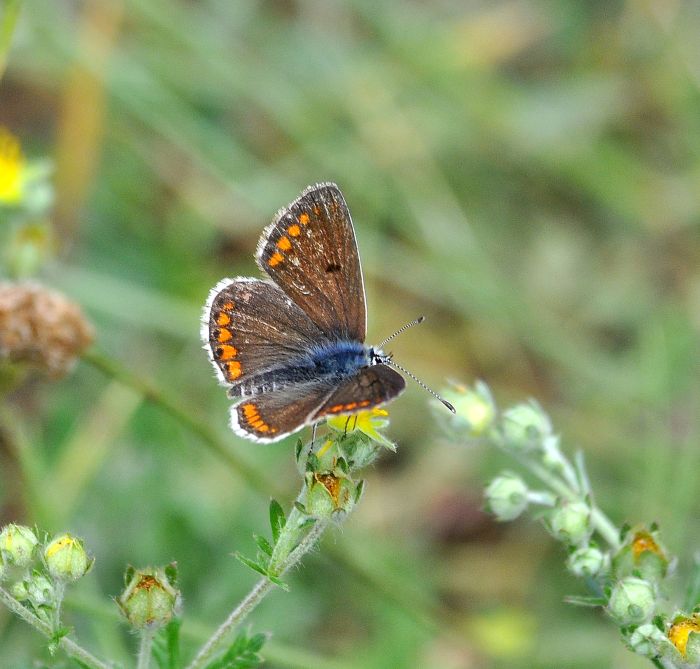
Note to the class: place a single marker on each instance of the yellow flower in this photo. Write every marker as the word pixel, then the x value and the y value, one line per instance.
pixel 12 169
pixel 367 422
pixel 680 631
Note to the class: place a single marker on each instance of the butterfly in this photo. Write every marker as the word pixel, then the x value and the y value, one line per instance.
pixel 291 348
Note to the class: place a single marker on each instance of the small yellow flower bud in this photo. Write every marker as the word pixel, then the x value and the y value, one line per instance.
pixel 632 601
pixel 643 555
pixel 17 544
pixel 150 599
pixel 475 410
pixel 66 558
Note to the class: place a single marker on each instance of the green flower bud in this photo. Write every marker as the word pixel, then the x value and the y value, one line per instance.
pixel 66 558
pixel 150 599
pixel 570 522
pixel 642 555
pixel 39 590
pixel 632 601
pixel 17 544
pixel 525 426
pixel 507 496
pixel 587 561
pixel 648 640
pixel 329 494
pixel 684 634
pixel 475 410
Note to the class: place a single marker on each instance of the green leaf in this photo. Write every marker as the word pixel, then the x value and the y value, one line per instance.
pixel 277 519
pixel 586 601
pixel 166 646
pixel 359 490
pixel 301 508
pixel 241 654
pixel 263 544
pixel 279 582
pixel 261 569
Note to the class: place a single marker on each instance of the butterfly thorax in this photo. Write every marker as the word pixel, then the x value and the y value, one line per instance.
pixel 331 361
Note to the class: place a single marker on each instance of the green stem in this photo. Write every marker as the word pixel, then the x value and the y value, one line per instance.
pixel 7 29
pixel 68 645
pixel 602 524
pixel 256 595
pixel 116 371
pixel 144 659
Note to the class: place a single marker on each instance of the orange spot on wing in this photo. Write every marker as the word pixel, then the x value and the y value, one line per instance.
pixel 284 244
pixel 225 352
pixel 275 259
pixel 222 318
pixel 223 335
pixel 364 403
pixel 336 408
pixel 227 306
pixel 350 406
pixel 234 369
pixel 294 230
pixel 249 410
pixel 304 218
pixel 257 424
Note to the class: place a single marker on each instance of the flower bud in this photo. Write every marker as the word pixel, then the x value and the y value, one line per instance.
pixel 17 544
pixel 39 590
pixel 641 555
pixel 475 410
pixel 570 522
pixel 525 426
pixel 66 558
pixel 587 561
pixel 150 599
pixel 648 640
pixel 632 601
pixel 684 634
pixel 328 494
pixel 506 496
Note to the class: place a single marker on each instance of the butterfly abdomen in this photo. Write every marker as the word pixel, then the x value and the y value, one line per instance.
pixel 330 361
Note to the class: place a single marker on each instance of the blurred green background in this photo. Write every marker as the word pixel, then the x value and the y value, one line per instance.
pixel 524 173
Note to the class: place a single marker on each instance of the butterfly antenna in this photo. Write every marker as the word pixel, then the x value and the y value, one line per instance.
pixel 390 362
pixel 418 320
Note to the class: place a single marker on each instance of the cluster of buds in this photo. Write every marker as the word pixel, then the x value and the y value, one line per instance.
pixel 35 572
pixel 353 442
pixel 624 568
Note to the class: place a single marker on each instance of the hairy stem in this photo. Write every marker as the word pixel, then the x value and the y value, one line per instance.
pixel 256 595
pixel 68 645
pixel 144 658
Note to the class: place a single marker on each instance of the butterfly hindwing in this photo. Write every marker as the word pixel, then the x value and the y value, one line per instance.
pixel 310 252
pixel 250 326
pixel 272 416
pixel 368 388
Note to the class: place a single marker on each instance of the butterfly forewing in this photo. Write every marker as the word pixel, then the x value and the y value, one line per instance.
pixel 310 252
pixel 250 326
pixel 370 387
